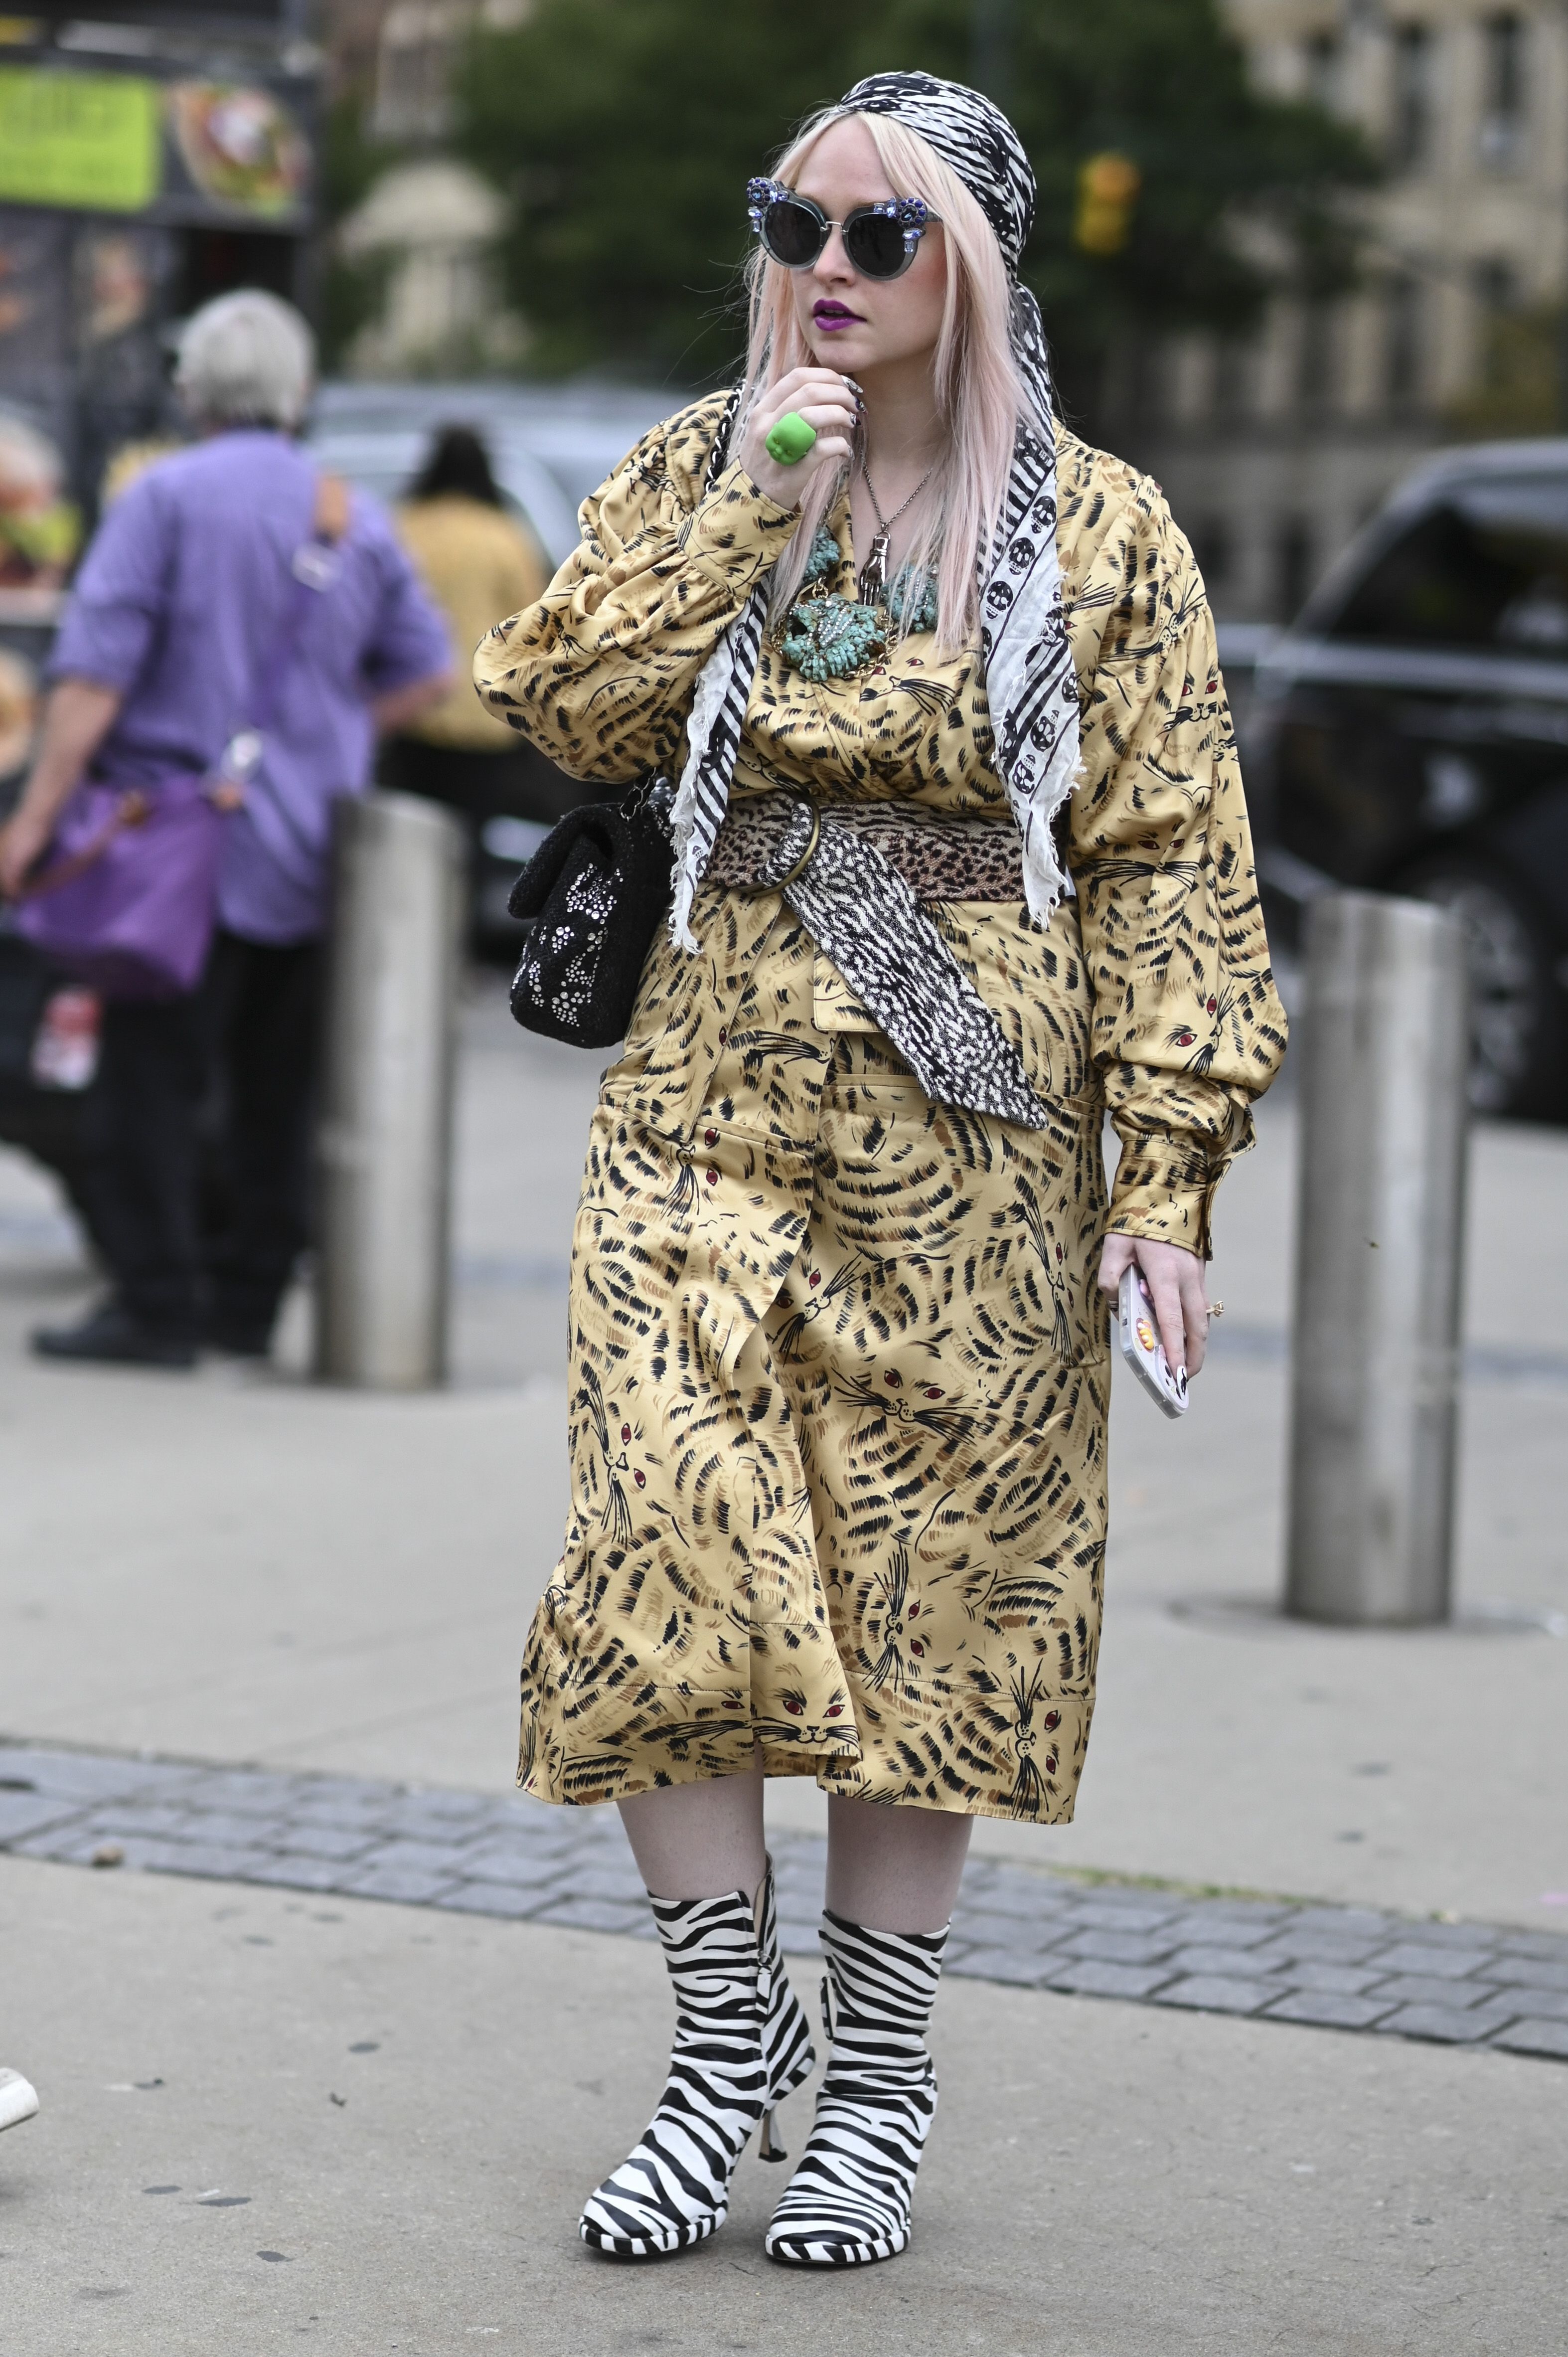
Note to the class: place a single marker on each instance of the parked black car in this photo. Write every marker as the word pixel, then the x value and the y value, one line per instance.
pixel 1409 733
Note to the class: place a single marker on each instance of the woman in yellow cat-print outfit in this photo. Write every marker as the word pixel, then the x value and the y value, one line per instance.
pixel 962 862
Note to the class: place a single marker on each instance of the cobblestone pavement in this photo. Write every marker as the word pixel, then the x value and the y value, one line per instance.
pixel 1342 1968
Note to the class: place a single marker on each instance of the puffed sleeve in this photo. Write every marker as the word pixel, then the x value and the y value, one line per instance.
pixel 600 673
pixel 1188 1029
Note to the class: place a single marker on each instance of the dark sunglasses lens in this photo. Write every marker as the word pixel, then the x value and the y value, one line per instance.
pixel 874 244
pixel 792 235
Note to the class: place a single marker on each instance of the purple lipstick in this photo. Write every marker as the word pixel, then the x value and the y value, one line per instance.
pixel 831 316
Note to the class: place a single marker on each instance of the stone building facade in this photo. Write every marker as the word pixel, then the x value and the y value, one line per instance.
pixel 430 221
pixel 1274 450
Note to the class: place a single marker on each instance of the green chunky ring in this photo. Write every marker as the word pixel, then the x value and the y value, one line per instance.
pixel 790 439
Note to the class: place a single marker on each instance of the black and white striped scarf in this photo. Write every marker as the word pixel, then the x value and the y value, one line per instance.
pixel 1029 677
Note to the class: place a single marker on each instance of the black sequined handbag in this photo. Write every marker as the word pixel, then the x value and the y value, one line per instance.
pixel 592 897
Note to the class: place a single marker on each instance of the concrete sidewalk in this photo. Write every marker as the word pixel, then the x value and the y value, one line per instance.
pixel 270 2122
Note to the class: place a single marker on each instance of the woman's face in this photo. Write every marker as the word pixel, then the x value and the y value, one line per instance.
pixel 852 323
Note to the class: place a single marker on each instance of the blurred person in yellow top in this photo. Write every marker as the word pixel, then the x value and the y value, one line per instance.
pixel 479 565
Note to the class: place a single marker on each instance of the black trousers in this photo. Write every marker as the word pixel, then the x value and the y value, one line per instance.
pixel 207 1106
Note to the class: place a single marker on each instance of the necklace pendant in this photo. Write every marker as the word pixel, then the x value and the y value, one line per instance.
pixel 873 572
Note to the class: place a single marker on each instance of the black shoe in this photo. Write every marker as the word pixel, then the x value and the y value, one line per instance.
pixel 238 1342
pixel 237 1337
pixel 109 1336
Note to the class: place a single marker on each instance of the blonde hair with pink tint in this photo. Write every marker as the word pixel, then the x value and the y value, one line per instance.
pixel 979 391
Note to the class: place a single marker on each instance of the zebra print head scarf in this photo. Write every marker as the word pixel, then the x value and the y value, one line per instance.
pixel 1029 676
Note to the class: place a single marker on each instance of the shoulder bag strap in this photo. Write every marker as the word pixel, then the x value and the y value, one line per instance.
pixel 310 571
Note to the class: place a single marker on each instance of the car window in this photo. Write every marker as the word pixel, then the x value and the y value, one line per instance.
pixel 1487 567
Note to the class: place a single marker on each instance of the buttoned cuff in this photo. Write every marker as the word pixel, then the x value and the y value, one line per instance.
pixel 1165 1191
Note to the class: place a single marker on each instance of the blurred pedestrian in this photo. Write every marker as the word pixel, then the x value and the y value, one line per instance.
pixel 960 866
pixel 480 566
pixel 227 582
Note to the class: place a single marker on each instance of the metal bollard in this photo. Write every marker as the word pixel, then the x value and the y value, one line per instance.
pixel 1384 1115
pixel 385 1143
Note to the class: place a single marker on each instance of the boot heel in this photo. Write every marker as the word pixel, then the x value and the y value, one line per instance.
pixel 768 2148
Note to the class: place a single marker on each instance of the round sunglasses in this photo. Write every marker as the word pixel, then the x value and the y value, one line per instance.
pixel 880 241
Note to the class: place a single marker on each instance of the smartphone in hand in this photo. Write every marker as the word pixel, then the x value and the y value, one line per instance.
pixel 1139 1336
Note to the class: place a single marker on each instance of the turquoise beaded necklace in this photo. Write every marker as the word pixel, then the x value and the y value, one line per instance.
pixel 826 636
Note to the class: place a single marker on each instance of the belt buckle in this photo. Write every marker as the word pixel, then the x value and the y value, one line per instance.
pixel 782 883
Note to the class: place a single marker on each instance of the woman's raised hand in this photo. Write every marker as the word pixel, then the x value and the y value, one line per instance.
pixel 825 400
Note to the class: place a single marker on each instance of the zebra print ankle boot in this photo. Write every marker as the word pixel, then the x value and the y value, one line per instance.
pixel 742 2044
pixel 849 2200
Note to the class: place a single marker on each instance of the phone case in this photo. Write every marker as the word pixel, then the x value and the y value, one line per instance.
pixel 1141 1346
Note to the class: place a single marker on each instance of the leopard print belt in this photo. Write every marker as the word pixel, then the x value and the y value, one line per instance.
pixel 858 875
pixel 765 836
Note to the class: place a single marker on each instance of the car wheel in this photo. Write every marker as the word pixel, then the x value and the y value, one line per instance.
pixel 1517 1012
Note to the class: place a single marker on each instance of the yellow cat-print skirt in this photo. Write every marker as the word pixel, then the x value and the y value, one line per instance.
pixel 838 1388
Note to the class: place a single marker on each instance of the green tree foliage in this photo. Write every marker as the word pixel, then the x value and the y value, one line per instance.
pixel 624 131
pixel 352 292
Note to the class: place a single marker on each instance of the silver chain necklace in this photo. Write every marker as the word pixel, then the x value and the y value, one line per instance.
pixel 873 572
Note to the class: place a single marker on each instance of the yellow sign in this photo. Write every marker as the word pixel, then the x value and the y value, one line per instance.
pixel 92 141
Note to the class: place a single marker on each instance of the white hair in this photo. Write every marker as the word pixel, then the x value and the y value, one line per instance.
pixel 246 360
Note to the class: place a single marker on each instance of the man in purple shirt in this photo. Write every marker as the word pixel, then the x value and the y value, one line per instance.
pixel 186 616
